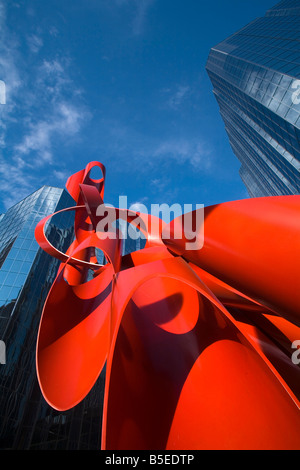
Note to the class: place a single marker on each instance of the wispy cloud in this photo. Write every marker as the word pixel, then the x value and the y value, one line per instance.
pixel 125 142
pixel 59 112
pixel 177 97
pixel 139 206
pixel 44 109
pixel 140 10
pixel 194 152
pixel 9 56
pixel 14 186
pixel 61 175
pixel 64 121
pixel 35 43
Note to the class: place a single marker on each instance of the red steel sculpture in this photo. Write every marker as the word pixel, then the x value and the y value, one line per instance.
pixel 197 343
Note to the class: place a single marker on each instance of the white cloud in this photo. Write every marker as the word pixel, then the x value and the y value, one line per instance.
pixel 194 152
pixel 35 43
pixel 61 175
pixel 53 111
pixel 8 59
pixel 53 79
pixel 142 7
pixel 139 206
pixel 64 121
pixel 43 108
pixel 146 151
pixel 14 185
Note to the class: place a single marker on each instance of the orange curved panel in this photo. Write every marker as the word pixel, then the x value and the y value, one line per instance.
pixel 253 246
pixel 196 341
pixel 73 339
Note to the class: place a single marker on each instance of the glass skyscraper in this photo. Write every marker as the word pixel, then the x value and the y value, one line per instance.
pixel 26 275
pixel 255 75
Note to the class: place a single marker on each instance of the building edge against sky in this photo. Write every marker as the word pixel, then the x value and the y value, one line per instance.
pixel 255 75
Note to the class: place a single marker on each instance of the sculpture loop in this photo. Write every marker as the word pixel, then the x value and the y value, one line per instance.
pixel 197 343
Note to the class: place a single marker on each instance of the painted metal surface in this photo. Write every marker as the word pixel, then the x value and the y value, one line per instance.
pixel 197 343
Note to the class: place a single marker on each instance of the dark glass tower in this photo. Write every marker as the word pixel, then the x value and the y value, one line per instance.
pixel 26 274
pixel 255 75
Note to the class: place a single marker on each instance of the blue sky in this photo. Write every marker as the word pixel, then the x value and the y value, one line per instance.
pixel 122 82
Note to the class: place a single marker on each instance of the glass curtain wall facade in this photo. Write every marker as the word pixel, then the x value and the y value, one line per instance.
pixel 255 75
pixel 26 274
